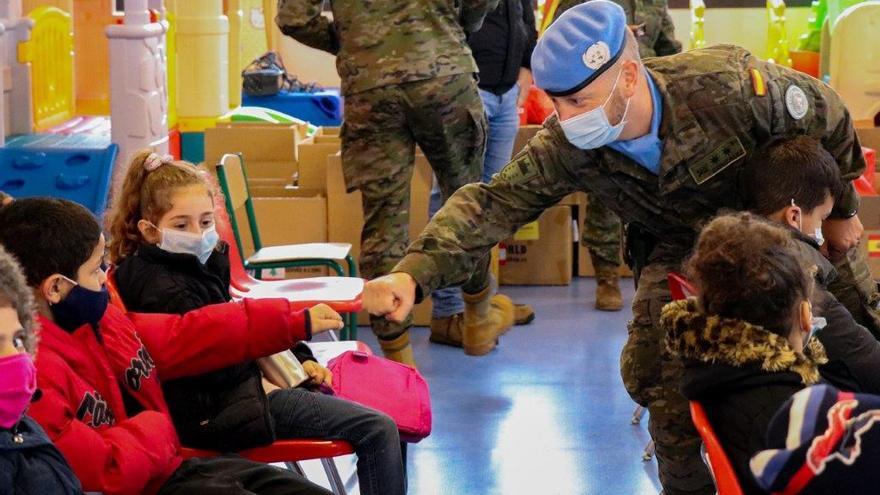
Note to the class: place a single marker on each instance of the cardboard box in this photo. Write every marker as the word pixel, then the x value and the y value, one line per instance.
pixel 286 216
pixel 268 151
pixel 525 133
pixel 869 135
pixel 312 158
pixel 869 214
pixel 545 261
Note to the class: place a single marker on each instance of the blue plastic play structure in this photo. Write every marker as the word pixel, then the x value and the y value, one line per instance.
pixel 322 108
pixel 75 167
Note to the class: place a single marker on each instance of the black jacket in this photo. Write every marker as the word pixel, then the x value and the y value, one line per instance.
pixel 740 373
pixel 31 465
pixel 853 352
pixel 225 410
pixel 504 44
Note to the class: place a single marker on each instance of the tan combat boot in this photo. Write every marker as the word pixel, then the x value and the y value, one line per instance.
pixel 485 319
pixel 398 349
pixel 523 314
pixel 447 331
pixel 608 296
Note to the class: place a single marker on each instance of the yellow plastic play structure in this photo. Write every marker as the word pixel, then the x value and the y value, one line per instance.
pixel 698 23
pixel 777 37
pixel 50 53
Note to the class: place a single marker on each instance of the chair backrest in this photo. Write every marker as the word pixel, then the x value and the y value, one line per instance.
pixel 238 274
pixel 234 184
pixel 113 290
pixel 720 466
pixel 680 287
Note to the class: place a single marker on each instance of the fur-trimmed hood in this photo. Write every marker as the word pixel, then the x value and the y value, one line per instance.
pixel 698 338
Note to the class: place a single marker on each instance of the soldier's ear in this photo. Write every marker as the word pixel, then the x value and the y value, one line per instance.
pixel 629 77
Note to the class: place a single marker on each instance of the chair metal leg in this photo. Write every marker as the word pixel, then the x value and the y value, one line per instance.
pixel 296 468
pixel 336 484
pixel 649 451
pixel 638 414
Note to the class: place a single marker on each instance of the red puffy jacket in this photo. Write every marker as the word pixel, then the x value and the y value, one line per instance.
pixel 82 374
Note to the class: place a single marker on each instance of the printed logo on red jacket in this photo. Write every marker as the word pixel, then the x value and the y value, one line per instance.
pixel 142 366
pixel 94 411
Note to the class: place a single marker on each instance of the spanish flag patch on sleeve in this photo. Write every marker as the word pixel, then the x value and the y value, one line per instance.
pixel 758 83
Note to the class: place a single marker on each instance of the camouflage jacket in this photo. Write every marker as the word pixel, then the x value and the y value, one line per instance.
pixel 714 118
pixel 656 36
pixel 383 42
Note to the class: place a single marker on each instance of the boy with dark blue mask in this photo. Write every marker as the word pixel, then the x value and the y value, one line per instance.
pixel 98 368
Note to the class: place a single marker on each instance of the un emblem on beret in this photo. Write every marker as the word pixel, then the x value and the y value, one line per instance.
pixel 597 55
pixel 796 102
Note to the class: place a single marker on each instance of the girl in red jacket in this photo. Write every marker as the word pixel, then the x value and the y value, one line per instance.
pixel 98 369
pixel 169 260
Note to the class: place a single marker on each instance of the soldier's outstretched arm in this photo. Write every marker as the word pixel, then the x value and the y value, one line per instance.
pixel 302 21
pixel 478 216
pixel 474 11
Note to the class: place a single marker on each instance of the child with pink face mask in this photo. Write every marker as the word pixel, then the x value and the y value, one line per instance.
pixel 29 462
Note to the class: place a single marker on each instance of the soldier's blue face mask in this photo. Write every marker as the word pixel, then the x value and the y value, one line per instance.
pixel 591 130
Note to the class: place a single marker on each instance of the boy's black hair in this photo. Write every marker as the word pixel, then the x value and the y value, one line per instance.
pixel 798 169
pixel 48 236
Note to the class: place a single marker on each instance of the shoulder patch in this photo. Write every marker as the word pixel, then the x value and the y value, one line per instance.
pixel 796 102
pixel 719 159
pixel 522 169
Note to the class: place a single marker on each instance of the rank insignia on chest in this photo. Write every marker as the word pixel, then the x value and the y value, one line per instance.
pixel 717 161
pixel 520 170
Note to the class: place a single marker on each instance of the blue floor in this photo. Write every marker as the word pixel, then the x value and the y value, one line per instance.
pixel 545 413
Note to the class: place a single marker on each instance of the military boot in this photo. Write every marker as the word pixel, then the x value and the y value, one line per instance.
pixel 447 331
pixel 608 296
pixel 398 349
pixel 523 314
pixel 485 319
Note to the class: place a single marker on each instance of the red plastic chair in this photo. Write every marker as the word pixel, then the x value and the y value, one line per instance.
pixel 714 456
pixel 290 452
pixel 680 287
pixel 343 294
pixel 115 298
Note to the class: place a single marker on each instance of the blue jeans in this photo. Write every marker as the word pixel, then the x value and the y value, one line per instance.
pixel 503 117
pixel 299 413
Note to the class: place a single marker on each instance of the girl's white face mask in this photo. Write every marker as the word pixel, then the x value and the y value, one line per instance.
pixel 200 246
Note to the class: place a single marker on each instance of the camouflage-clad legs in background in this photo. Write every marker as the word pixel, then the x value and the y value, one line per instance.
pixel 444 116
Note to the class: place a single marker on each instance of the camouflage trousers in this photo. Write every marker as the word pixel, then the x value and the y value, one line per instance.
pixel 445 118
pixel 652 375
pixel 602 234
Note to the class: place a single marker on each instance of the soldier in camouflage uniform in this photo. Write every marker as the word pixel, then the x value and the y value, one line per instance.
pixel 655 33
pixel 408 78
pixel 683 127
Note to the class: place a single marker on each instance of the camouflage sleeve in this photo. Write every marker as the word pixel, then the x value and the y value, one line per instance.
pixel 474 11
pixel 478 216
pixel 666 43
pixel 795 103
pixel 302 21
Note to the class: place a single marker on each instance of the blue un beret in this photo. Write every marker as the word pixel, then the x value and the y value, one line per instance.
pixel 579 46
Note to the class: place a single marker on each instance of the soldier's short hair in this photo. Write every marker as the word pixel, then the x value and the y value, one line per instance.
pixel 798 169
